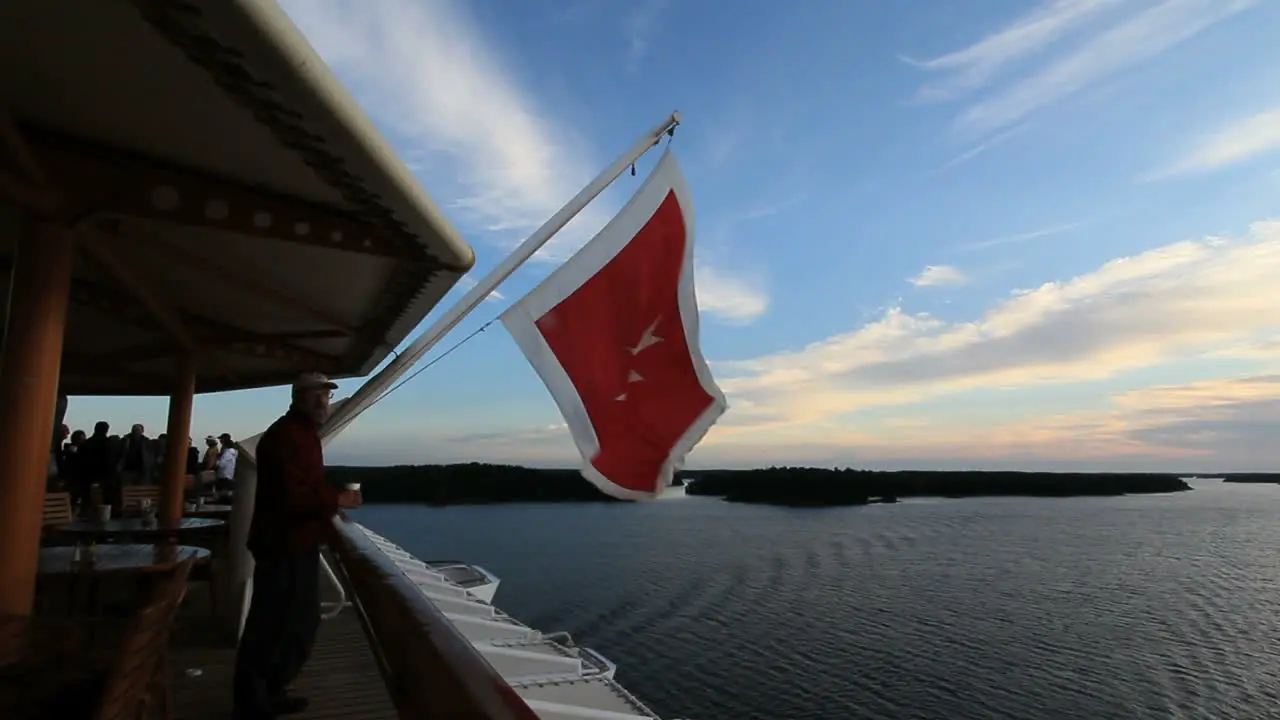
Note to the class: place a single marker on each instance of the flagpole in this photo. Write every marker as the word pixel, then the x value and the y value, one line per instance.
pixel 376 385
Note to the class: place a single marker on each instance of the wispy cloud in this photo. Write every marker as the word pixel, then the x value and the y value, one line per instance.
pixel 1126 40
pixel 1127 43
pixel 1237 142
pixel 435 84
pixel 938 275
pixel 976 65
pixel 1020 237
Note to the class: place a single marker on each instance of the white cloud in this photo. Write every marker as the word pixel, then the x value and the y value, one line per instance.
pixel 1237 142
pixel 735 300
pixel 938 275
pixel 1186 299
pixel 467 282
pixel 976 65
pixel 431 80
pixel 640 26
pixel 1124 42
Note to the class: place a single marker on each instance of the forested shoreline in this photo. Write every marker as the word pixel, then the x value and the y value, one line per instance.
pixel 482 483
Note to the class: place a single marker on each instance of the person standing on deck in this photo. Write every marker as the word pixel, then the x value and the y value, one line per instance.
pixel 292 517
pixel 224 470
pixel 137 458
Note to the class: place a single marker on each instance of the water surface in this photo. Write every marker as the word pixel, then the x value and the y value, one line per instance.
pixel 1135 607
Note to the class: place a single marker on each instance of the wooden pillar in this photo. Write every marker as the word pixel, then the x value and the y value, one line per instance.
pixel 29 368
pixel 178 434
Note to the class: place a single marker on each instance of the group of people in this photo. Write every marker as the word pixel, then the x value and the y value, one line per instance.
pixel 79 461
pixel 293 512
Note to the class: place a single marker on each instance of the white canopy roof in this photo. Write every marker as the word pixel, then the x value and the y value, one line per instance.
pixel 228 193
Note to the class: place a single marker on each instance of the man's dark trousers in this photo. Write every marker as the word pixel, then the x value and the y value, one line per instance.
pixel 284 615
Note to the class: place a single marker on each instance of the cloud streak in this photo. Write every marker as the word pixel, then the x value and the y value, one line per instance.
pixel 975 66
pixel 1020 237
pixel 1237 142
pixel 1124 41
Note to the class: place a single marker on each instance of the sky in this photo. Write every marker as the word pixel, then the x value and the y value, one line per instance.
pixel 961 234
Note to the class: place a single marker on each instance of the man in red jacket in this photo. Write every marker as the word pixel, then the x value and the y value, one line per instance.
pixel 292 517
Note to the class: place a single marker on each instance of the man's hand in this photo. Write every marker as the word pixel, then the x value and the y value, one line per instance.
pixel 349 499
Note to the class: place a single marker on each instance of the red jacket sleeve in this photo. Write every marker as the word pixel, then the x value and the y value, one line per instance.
pixel 301 465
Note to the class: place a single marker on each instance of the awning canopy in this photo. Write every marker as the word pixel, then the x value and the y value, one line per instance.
pixel 229 198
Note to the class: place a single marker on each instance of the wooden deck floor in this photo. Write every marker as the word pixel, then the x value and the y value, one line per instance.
pixel 341 680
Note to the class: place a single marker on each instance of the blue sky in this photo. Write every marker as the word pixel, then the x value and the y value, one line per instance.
pixel 967 233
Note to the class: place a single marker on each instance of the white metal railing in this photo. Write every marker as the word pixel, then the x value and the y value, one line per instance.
pixel 335 607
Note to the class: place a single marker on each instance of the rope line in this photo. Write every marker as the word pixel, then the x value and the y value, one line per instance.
pixel 415 373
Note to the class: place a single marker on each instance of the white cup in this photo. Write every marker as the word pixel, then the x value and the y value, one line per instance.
pixel 353 487
pixel 104 513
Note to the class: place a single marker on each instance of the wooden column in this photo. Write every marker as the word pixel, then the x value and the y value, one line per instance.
pixel 178 433
pixel 29 367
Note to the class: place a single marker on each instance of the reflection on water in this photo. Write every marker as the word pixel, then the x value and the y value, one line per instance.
pixel 1138 607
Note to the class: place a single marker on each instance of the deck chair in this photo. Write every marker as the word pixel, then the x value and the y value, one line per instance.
pixel 131 498
pixel 57 509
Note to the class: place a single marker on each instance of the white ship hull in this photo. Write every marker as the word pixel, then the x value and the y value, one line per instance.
pixel 557 679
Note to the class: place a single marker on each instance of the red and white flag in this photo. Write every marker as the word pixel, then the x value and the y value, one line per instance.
pixel 614 335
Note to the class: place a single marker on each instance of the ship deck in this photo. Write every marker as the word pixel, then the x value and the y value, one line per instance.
pixel 341 679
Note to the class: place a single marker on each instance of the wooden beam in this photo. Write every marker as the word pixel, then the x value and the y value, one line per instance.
pixel 232 275
pixel 131 283
pixel 112 183
pixel 228 338
pixel 136 354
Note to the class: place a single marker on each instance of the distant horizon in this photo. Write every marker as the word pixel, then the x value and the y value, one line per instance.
pixel 1202 475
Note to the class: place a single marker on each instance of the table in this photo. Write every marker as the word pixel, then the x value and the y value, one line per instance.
pixel 117 559
pixel 140 527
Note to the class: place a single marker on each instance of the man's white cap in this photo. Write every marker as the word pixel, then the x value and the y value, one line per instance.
pixel 314 380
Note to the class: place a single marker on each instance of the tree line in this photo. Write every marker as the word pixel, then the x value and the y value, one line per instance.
pixel 478 483
pixel 803 486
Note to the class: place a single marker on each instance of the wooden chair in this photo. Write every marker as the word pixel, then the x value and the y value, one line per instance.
pixel 131 498
pixel 57 509
pixel 138 680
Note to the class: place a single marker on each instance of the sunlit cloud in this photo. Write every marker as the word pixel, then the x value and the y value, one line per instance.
pixel 1186 299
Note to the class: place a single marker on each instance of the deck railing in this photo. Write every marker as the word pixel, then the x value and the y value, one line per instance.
pixel 430 669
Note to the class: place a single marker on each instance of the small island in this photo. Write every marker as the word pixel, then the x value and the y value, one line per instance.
pixel 1272 478
pixel 482 483
pixel 810 487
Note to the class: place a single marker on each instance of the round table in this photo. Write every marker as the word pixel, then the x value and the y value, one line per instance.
pixel 117 559
pixel 138 527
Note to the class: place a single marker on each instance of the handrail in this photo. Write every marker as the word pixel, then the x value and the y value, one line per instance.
pixel 337 584
pixel 430 669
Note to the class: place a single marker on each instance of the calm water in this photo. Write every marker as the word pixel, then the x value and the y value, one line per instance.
pixel 1139 607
